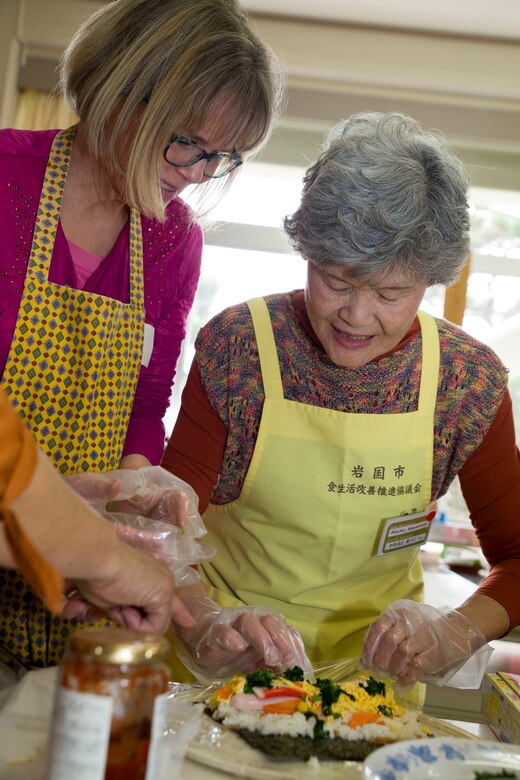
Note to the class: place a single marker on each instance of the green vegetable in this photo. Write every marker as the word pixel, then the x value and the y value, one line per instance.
pixel 261 678
pixel 295 674
pixel 493 775
pixel 319 730
pixel 330 693
pixel 385 710
pixel 373 687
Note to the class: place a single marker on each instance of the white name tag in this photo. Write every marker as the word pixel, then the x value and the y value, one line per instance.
pixel 149 334
pixel 401 533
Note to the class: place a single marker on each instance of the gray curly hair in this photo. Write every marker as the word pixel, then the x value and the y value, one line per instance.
pixel 386 194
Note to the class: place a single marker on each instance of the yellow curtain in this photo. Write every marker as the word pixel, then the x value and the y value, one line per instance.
pixel 41 111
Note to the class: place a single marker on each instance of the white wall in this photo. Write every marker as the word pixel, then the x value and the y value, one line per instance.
pixel 467 87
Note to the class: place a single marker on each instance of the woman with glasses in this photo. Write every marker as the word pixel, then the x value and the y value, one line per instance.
pixel 100 257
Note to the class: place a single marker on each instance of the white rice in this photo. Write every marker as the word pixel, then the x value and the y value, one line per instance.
pixel 297 725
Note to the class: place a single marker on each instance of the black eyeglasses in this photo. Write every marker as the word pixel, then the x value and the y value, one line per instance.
pixel 183 152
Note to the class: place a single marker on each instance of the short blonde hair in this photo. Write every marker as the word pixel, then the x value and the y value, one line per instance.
pixel 142 69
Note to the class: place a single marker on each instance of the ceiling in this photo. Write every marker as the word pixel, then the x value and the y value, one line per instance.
pixel 481 18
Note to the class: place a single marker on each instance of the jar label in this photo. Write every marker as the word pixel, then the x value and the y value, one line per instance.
pixel 157 753
pixel 80 736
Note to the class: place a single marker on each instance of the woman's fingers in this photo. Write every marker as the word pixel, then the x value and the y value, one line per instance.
pixel 258 637
pixel 287 641
pixel 398 648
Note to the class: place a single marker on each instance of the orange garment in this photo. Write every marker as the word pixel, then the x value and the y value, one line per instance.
pixel 18 453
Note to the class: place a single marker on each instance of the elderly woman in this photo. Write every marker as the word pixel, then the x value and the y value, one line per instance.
pixel 318 426
pixel 100 257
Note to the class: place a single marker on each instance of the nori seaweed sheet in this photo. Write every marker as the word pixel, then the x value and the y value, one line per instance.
pixel 286 746
pixel 304 747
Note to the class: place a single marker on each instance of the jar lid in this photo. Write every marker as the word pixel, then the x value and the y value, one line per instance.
pixel 119 646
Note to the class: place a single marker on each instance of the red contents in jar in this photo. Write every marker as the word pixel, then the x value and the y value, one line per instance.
pixel 133 689
pixel 127 762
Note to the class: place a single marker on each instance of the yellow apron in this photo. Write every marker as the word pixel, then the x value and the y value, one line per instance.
pixel 71 372
pixel 300 537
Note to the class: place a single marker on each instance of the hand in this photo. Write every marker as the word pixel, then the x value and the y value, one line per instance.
pixel 138 593
pixel 237 639
pixel 411 641
pixel 246 643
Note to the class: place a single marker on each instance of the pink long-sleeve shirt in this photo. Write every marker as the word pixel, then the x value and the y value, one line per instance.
pixel 171 267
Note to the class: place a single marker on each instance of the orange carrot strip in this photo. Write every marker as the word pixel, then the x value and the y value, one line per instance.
pixel 283 707
pixel 361 718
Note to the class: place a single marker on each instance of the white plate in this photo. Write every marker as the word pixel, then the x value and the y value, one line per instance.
pixel 220 748
pixel 441 759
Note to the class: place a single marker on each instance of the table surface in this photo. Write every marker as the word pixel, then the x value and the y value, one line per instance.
pixel 35 770
pixel 24 723
pixel 440 589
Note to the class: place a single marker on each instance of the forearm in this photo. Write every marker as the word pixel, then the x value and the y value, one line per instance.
pixel 486 614
pixel 50 512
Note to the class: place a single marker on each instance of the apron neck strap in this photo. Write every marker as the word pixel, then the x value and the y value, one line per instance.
pixel 430 362
pixel 50 204
pixel 49 213
pixel 267 353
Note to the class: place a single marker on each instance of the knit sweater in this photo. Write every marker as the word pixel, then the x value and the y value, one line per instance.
pixel 472 383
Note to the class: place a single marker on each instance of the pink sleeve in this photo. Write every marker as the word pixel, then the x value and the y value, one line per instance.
pixel 146 434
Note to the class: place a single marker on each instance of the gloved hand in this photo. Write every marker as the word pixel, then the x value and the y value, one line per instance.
pixel 231 640
pixel 149 492
pixel 164 542
pixel 410 642
pixel 151 510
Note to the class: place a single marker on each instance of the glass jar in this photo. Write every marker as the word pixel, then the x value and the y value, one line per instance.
pixel 109 707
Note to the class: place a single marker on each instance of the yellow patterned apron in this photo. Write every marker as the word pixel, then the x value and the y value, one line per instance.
pixel 71 372
pixel 300 538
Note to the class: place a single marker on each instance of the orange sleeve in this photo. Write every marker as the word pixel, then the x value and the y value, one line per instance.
pixel 490 482
pixel 195 449
pixel 18 455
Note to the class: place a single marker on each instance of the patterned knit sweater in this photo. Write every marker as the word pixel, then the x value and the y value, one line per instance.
pixel 472 384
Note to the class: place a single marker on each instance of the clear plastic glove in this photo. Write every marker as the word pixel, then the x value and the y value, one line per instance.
pixel 231 640
pixel 150 492
pixel 165 543
pixel 139 505
pixel 412 642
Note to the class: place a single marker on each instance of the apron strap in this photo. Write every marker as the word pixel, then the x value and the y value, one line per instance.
pixel 269 365
pixel 136 284
pixel 49 213
pixel 430 363
pixel 50 204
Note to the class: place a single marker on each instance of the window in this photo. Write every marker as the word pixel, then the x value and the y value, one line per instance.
pixel 247 255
